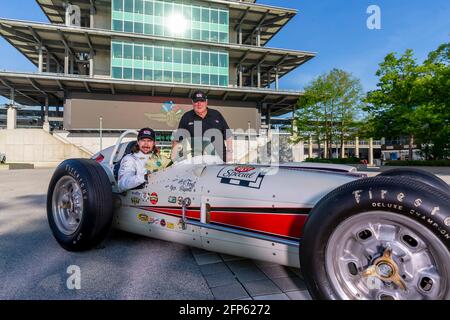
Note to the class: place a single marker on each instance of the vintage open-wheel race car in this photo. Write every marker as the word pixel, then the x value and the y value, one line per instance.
pixel 384 237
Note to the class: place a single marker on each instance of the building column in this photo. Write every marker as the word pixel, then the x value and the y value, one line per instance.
pixel 252 79
pixel 343 150
pixel 240 76
pixel 11 115
pixel 46 125
pixel 41 59
pixel 91 64
pixel 325 149
pixel 47 67
pixel 371 152
pixel 92 13
pixel 240 35
pixel 258 38
pixel 310 147
pixel 258 76
pixel 277 79
pixel 357 147
pixel 66 61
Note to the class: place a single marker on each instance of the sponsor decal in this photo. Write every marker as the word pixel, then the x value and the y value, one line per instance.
pixel 163 223
pixel 243 176
pixel 142 217
pixel 152 220
pixel 145 196
pixel 154 198
pixel 170 225
pixel 135 200
pixel 183 185
pixel 172 199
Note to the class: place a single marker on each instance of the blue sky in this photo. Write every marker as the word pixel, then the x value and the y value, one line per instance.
pixel 335 29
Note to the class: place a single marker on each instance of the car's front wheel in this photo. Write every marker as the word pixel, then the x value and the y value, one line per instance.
pixel 384 238
pixel 79 204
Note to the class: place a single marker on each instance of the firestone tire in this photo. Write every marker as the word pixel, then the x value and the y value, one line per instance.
pixel 417 209
pixel 79 204
pixel 418 174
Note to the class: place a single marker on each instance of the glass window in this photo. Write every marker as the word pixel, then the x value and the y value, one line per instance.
pixel 158 54
pixel 187 56
pixel 196 78
pixel 128 6
pixel 148 9
pixel 205 58
pixel 196 34
pixel 138 74
pixel 148 53
pixel 159 30
pixel 177 77
pixel 117 50
pixel 214 57
pixel 205 15
pixel 168 9
pixel 167 76
pixel 138 52
pixel 196 57
pixel 214 79
pixel 186 77
pixel 139 6
pixel 148 75
pixel 159 9
pixel 223 37
pixel 223 81
pixel 128 51
pixel 205 35
pixel 177 55
pixel 223 17
pixel 148 29
pixel 214 16
pixel 205 79
pixel 127 73
pixel 117 25
pixel 168 55
pixel 214 36
pixel 118 5
pixel 128 26
pixel 158 75
pixel 223 60
pixel 196 14
pixel 187 12
pixel 138 27
pixel 117 72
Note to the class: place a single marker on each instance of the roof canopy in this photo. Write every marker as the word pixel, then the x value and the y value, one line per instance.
pixel 245 14
pixel 27 37
pixel 33 89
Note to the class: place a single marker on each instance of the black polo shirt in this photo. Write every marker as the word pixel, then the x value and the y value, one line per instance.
pixel 212 120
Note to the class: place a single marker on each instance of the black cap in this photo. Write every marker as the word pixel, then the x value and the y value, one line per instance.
pixel 199 96
pixel 146 133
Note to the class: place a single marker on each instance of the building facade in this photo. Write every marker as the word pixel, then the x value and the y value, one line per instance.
pixel 135 63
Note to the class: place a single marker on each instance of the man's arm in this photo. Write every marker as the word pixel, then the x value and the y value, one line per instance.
pixel 130 177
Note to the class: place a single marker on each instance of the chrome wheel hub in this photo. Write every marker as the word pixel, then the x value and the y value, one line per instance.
pixel 386 256
pixel 67 205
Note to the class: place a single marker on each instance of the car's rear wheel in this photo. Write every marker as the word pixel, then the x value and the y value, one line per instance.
pixel 380 238
pixel 79 204
pixel 420 175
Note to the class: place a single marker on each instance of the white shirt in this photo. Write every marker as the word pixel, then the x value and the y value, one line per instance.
pixel 132 170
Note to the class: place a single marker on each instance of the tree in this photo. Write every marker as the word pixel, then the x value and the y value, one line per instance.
pixel 328 108
pixel 413 100
pixel 394 102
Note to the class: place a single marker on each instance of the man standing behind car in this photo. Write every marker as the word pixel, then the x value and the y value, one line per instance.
pixel 210 120
pixel 144 159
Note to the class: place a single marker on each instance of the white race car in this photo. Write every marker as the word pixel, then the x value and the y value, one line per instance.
pixel 386 237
